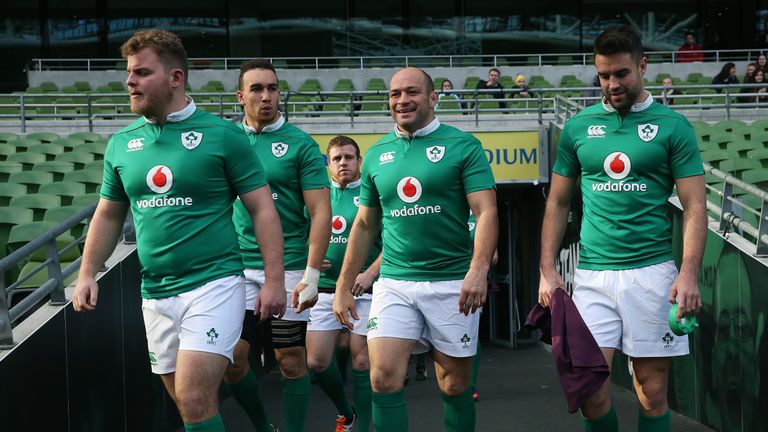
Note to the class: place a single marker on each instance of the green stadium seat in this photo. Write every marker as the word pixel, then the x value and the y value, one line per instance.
pixel 344 84
pixel 757 177
pixel 695 77
pixel 48 150
pixel 736 167
pixel 23 143
pixel 85 136
pixel 714 157
pixel 82 86
pixel 10 217
pixel 6 150
pixel 31 179
pixel 283 86
pixel 7 137
pixel 48 87
pixel 378 84
pixel 78 158
pixel 26 159
pixel 759 155
pixel 377 104
pixel 310 85
pixel 96 165
pixel 94 148
pixel 57 168
pixel 7 168
pixel 564 60
pixel 43 137
pixel 116 86
pixel 86 200
pixel 449 106
pixel 91 178
pixel 335 104
pixel 734 126
pixel 759 125
pixel 61 214
pixel 66 190
pixel 721 139
pixel 37 202
pixel 471 82
pixel 740 148
pixel 11 190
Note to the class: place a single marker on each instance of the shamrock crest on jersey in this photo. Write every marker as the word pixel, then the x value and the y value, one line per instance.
pixel 647 131
pixel 191 139
pixel 435 153
pixel 279 149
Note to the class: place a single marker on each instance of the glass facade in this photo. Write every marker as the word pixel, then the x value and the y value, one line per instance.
pixel 308 28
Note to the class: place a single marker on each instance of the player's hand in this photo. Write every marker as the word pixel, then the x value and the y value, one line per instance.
pixel 271 300
pixel 473 292
pixel 300 307
pixel 549 281
pixel 344 308
pixel 85 295
pixel 325 265
pixel 363 281
pixel 685 292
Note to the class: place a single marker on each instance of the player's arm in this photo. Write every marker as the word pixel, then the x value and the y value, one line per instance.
pixel 685 290
pixel 365 280
pixel 318 202
pixel 475 286
pixel 103 234
pixel 364 232
pixel 269 236
pixel 552 231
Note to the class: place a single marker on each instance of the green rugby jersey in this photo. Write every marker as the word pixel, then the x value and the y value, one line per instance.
pixel 628 166
pixel 421 184
pixel 344 205
pixel 293 164
pixel 180 180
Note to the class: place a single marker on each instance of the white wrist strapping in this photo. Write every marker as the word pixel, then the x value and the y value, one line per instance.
pixel 311 276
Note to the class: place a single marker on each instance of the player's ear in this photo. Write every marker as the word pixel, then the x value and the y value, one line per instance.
pixel 643 65
pixel 433 98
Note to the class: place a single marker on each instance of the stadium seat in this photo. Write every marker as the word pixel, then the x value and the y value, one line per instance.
pixel 759 138
pixel 471 82
pixel 31 179
pixel 714 157
pixel 734 126
pixel 116 86
pixel 61 214
pixel 23 143
pixel 48 87
pixel 43 136
pixel 69 144
pixel 10 217
pixel 377 84
pixel 95 148
pixel 37 202
pixel 310 85
pixel 7 168
pixel 85 136
pixel 78 158
pixel 344 84
pixel 6 150
pixel 757 177
pixel 7 137
pixel 82 86
pixel 57 168
pixel 91 179
pixel 26 159
pixel 66 190
pixel 375 104
pixel 721 139
pixel 86 200
pixel 11 190
pixel 760 155
pixel 740 148
pixel 48 150
pixel 760 125
pixel 736 167
pixel 335 104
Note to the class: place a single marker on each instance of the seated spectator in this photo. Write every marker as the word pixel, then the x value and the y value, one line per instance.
pixel 493 84
pixel 521 88
pixel 762 95
pixel 690 51
pixel 762 62
pixel 726 76
pixel 596 93
pixel 668 91
pixel 750 70
pixel 749 79
pixel 445 93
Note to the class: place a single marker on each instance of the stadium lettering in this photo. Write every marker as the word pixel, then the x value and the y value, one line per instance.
pixel 338 240
pixel 163 201
pixel 517 156
pixel 415 210
pixel 620 186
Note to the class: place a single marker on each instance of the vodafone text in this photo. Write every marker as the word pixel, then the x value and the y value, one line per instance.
pixel 619 186
pixel 164 201
pixel 415 210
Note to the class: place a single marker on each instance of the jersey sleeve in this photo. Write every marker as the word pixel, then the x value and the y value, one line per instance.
pixel 477 174
pixel 684 157
pixel 312 171
pixel 567 162
pixel 242 166
pixel 111 184
pixel 369 194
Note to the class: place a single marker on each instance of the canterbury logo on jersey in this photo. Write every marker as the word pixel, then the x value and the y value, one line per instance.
pixel 135 144
pixel 386 157
pixel 596 131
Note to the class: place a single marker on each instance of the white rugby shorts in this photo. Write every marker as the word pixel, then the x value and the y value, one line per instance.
pixel 322 318
pixel 207 319
pixel 254 279
pixel 427 312
pixel 627 309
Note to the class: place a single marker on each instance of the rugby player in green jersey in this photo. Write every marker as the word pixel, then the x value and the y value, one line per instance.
pixel 323 329
pixel 629 152
pixel 179 169
pixel 418 184
pixel 298 179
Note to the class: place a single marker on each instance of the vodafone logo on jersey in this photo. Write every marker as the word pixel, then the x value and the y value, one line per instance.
pixel 160 179
pixel 338 224
pixel 617 165
pixel 409 189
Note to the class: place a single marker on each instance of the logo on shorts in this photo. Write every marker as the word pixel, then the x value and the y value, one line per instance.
pixel 191 139
pixel 373 324
pixel 647 131
pixel 212 336
pixel 465 340
pixel 667 339
pixel 279 149
pixel 338 224
pixel 152 359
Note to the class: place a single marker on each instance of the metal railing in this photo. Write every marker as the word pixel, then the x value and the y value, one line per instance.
pixel 366 62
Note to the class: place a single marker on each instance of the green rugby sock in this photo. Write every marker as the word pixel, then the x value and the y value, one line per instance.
pixel 330 381
pixel 459 412
pixel 361 382
pixel 296 396
pixel 609 422
pixel 662 423
pixel 213 424
pixel 246 393
pixel 389 412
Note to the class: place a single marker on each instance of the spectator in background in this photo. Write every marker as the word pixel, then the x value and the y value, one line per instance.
pixel 447 94
pixel 493 84
pixel 668 91
pixel 521 88
pixel 762 62
pixel 726 76
pixel 690 51
pixel 596 93
pixel 750 70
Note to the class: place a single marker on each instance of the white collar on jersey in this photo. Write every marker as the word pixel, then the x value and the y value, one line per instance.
pixel 642 106
pixel 426 130
pixel 268 128
pixel 350 185
pixel 178 116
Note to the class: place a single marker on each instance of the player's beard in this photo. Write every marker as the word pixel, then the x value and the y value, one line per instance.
pixel 630 97
pixel 154 104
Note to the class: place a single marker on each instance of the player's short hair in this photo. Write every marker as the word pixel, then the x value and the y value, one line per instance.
pixel 494 70
pixel 618 40
pixel 166 45
pixel 254 64
pixel 340 141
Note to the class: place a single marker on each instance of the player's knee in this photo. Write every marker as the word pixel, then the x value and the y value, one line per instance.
pixel 317 363
pixel 292 367
pixel 196 406
pixel 383 382
pixel 453 386
pixel 235 372
pixel 360 361
pixel 598 404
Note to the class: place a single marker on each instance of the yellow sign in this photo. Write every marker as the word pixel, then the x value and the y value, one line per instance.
pixel 512 155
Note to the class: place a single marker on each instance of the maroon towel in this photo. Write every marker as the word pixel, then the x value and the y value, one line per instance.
pixel 579 362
